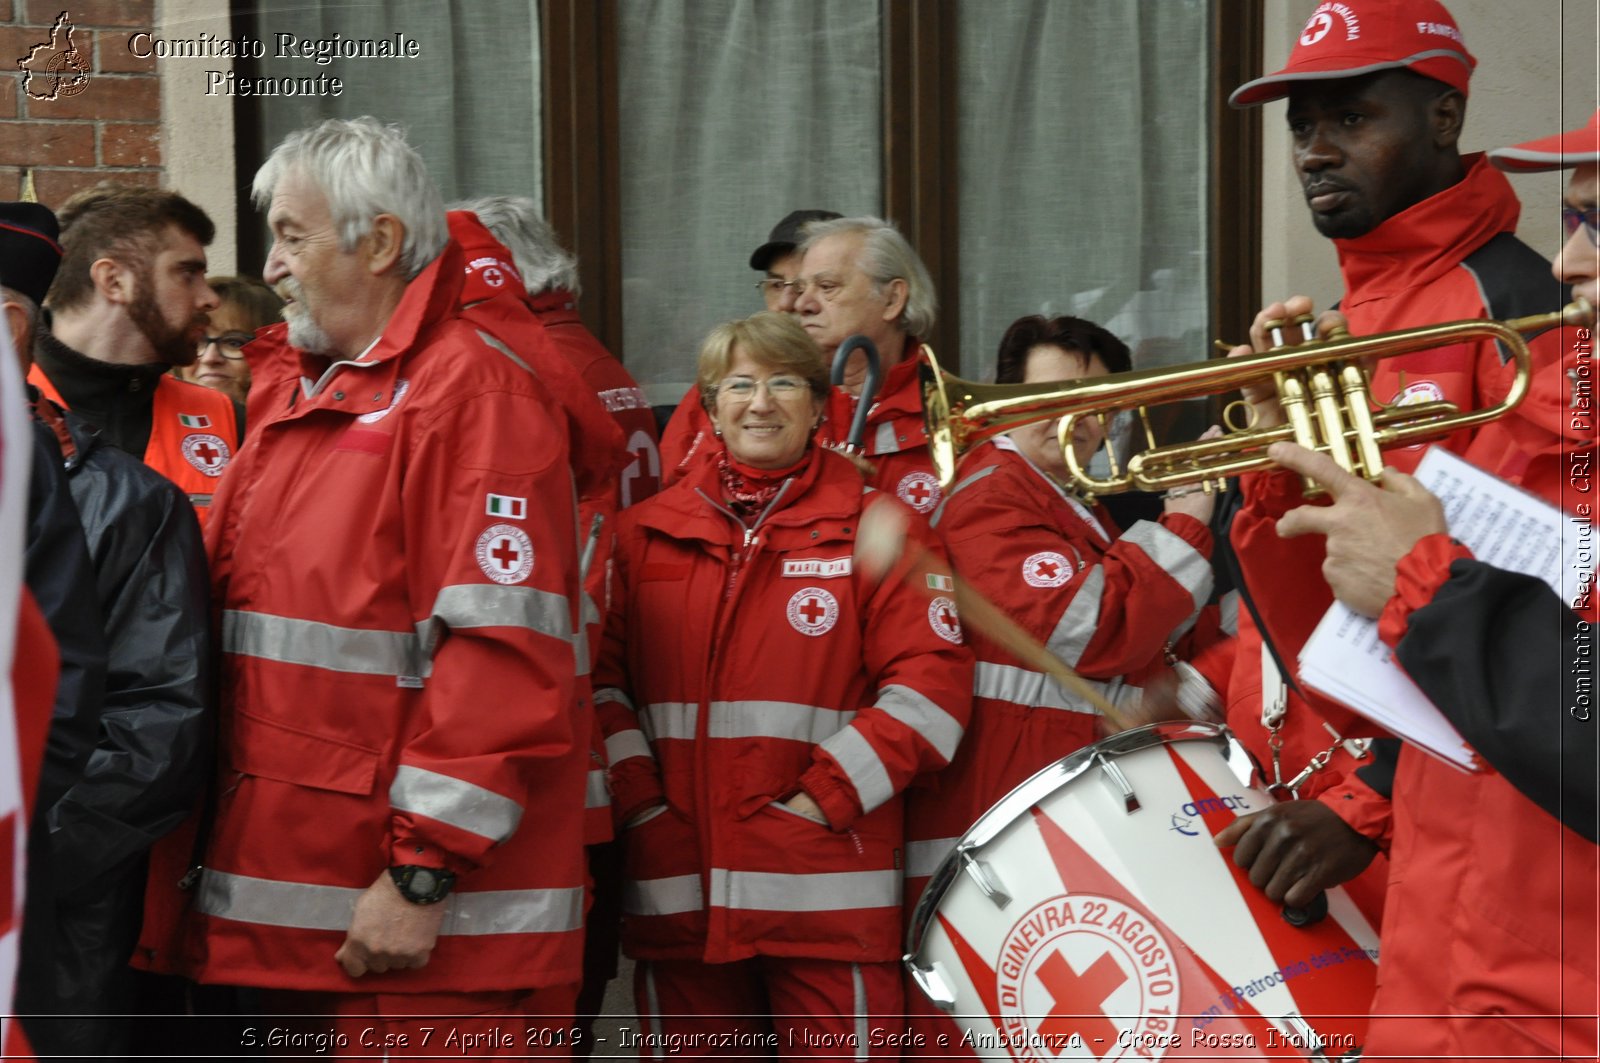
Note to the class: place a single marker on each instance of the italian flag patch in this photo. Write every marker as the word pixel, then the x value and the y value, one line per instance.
pixel 937 582
pixel 194 420
pixel 506 506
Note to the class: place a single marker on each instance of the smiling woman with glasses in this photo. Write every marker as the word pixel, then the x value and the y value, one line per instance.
pixel 247 305
pixel 766 703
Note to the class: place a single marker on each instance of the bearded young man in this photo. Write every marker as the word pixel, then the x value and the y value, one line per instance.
pixel 129 302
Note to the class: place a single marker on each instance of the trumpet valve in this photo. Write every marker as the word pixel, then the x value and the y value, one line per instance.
pixel 1308 331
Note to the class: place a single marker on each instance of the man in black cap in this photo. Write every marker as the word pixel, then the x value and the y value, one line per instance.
pixel 128 766
pixel 779 258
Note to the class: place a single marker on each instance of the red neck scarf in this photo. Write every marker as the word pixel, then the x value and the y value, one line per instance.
pixel 749 491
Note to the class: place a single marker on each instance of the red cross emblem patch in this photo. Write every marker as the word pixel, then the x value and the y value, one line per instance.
pixel 505 553
pixel 943 619
pixel 919 490
pixel 813 611
pixel 1046 569
pixel 206 452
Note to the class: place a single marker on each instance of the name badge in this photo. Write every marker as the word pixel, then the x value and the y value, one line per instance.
pixel 817 567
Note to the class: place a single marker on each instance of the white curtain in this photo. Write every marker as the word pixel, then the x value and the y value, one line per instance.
pixel 470 102
pixel 1082 148
pixel 732 113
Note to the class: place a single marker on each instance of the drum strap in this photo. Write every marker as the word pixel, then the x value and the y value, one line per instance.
pixel 1274 707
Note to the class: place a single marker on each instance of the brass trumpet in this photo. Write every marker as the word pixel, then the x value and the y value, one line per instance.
pixel 1324 390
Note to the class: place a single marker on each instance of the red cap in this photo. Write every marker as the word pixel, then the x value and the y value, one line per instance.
pixel 1572 148
pixel 1349 38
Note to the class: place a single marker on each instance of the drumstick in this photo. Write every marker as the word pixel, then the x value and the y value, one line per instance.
pixel 882 540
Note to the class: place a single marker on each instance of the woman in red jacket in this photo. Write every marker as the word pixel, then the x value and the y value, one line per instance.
pixel 765 703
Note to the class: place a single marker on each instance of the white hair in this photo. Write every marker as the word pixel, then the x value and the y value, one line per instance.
pixel 885 256
pixel 365 168
pixel 516 222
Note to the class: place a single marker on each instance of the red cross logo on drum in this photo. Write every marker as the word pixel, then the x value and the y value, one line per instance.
pixel 919 490
pixel 944 619
pixel 1046 569
pixel 1079 999
pixel 206 452
pixel 505 553
pixel 1085 975
pixel 813 611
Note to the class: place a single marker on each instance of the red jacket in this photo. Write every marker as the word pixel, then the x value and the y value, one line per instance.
pixel 493 299
pixel 194 432
pixel 1481 879
pixel 1107 602
pixel 743 667
pixel 896 444
pixel 394 559
pixel 619 393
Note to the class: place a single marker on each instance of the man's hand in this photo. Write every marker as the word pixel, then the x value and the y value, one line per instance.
pixel 1297 849
pixel 806 805
pixel 1262 395
pixel 388 932
pixel 1370 527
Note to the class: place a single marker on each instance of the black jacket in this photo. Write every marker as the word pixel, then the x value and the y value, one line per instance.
pixel 153 747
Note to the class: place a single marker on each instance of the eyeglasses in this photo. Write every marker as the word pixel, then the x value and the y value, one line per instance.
pixel 772 287
pixel 781 388
pixel 827 287
pixel 230 344
pixel 1589 218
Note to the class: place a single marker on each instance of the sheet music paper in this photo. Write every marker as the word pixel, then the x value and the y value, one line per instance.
pixel 1503 526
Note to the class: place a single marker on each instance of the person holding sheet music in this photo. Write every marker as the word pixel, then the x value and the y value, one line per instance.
pixel 1490 929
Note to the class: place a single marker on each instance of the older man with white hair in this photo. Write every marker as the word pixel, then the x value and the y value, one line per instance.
pixel 395 562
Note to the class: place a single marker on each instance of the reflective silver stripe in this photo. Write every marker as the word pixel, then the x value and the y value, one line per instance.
pixel 503 349
pixel 461 804
pixel 1005 682
pixel 471 605
pixel 625 744
pixel 1229 608
pixel 922 715
pixel 668 719
pixel 1079 619
pixel 1175 556
pixel 836 891
pixel 938 514
pixel 596 794
pixel 923 858
pixel 884 440
pixel 775 719
pixel 863 1041
pixel 316 645
pixel 662 896
pixel 580 653
pixel 200 500
pixel 862 765
pixel 303 906
pixel 611 695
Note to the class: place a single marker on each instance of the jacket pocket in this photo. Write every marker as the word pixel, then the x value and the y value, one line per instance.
pixel 276 751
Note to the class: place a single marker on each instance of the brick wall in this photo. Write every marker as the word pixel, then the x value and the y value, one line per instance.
pixel 108 129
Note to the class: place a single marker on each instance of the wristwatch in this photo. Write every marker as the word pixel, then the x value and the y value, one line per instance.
pixel 422 885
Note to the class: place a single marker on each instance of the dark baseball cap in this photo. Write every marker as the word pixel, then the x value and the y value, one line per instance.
pixel 785 236
pixel 30 251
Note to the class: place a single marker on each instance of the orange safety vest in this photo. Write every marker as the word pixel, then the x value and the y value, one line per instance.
pixel 194 433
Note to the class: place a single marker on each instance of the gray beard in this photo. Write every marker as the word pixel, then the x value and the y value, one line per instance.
pixel 305 333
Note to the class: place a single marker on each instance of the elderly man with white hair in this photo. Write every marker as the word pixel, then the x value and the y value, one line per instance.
pixel 398 831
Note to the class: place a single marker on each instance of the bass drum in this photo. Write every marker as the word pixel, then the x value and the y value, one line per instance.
pixel 1088 915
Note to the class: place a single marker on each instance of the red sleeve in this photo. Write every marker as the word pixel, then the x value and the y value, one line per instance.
pixel 466 766
pixel 922 672
pixel 1366 811
pixel 1418 577
pixel 631 764
pixel 1121 602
